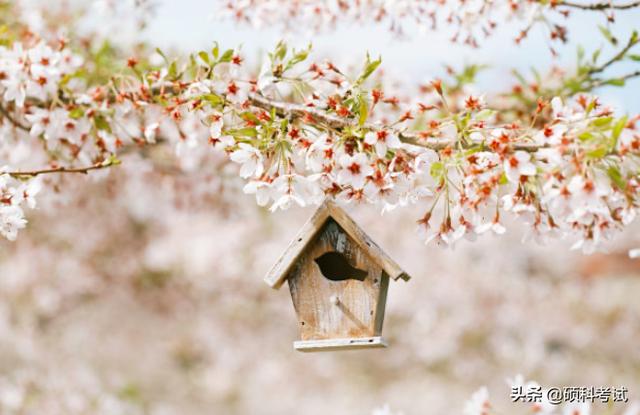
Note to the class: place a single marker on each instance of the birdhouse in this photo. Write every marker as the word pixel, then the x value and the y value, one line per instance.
pixel 338 279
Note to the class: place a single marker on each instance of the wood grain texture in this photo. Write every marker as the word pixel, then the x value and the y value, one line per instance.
pixel 357 313
pixel 282 268
pixel 339 344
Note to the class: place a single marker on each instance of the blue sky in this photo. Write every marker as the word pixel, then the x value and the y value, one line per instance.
pixel 188 25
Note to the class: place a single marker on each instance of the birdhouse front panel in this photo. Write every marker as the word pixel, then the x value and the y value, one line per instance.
pixel 338 278
pixel 338 291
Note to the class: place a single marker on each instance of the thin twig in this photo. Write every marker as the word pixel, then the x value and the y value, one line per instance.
pixel 5 113
pixel 63 170
pixel 599 6
pixel 618 56
pixel 601 82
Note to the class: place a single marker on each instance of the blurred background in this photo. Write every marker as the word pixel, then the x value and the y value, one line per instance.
pixel 140 291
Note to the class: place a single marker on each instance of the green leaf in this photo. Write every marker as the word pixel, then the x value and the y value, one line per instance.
pixel 226 56
pixel 280 52
pixel 216 50
pixel 468 74
pixel 602 122
pixel 617 129
pixel 598 153
pixel 173 70
pixel 249 116
pixel 213 99
pixel 204 56
pixel 243 132
pixel 519 76
pixel 298 57
pixel 615 82
pixel 76 113
pixel 369 67
pixel 616 177
pixel 437 170
pixel 161 53
pixel 363 109
pixel 102 123
pixel 607 35
pixel 635 58
pixel 586 136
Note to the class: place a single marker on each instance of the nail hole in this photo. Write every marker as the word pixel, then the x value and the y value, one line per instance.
pixel 302 323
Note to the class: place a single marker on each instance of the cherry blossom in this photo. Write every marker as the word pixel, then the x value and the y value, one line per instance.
pixel 479 403
pixel 251 160
pixel 302 130
pixel 354 170
pixel 382 140
pixel 467 22
pixel 126 166
pixel 517 165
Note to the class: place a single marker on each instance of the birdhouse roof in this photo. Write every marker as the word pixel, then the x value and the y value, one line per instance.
pixel 329 210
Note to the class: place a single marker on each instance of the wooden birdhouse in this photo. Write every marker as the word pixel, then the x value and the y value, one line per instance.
pixel 338 278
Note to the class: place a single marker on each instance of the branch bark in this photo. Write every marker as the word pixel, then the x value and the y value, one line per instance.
pixel 333 121
pixel 599 6
pixel 63 170
pixel 606 5
pixel 6 114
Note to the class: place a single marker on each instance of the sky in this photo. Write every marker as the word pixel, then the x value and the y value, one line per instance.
pixel 189 25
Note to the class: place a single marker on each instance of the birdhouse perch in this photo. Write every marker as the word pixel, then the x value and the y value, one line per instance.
pixel 338 278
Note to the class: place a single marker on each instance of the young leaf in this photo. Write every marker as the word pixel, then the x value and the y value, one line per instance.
pixel 617 129
pixel 204 56
pixel 369 67
pixel 616 177
pixel 216 50
pixel 607 35
pixel 615 82
pixel 363 109
pixel 226 56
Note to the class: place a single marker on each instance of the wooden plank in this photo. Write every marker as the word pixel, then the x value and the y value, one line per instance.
pixel 354 315
pixel 278 273
pixel 377 254
pixel 339 344
pixel 382 303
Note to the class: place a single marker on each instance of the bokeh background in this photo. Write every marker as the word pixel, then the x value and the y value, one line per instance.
pixel 140 291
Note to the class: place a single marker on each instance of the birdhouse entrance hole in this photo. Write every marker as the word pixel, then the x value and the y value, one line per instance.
pixel 335 266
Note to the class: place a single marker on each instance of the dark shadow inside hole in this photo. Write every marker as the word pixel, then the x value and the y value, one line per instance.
pixel 335 267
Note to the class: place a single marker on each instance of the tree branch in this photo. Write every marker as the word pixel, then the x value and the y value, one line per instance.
pixel 5 113
pixel 302 111
pixel 601 82
pixel 633 40
pixel 599 6
pixel 64 170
